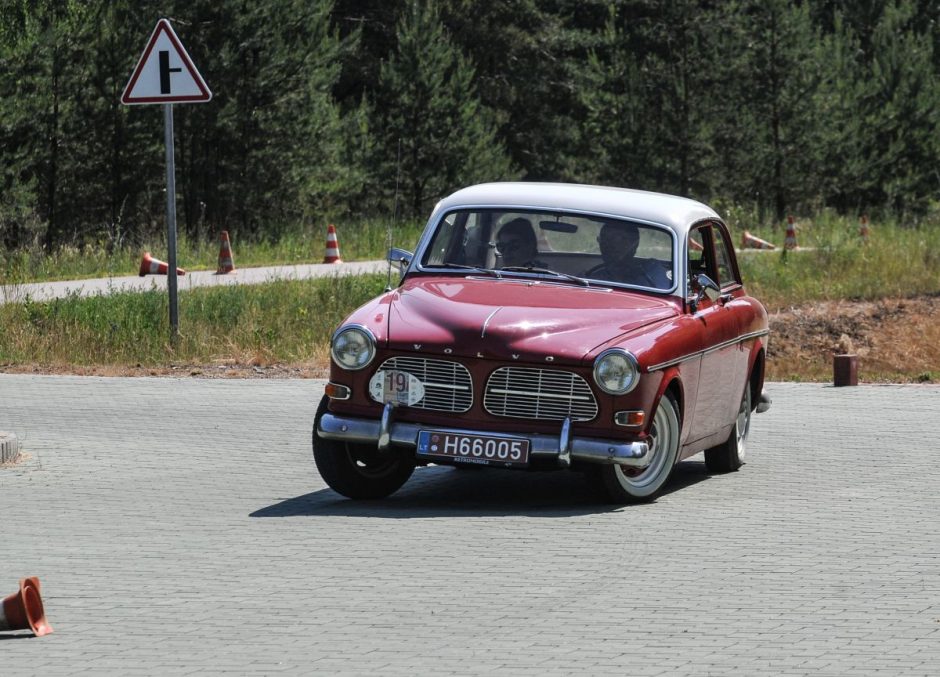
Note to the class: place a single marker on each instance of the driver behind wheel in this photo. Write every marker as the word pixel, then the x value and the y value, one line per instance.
pixel 618 243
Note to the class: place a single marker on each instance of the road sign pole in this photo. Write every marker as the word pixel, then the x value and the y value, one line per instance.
pixel 171 222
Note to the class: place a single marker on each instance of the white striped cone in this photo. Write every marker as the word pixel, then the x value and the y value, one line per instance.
pixel 226 262
pixel 790 241
pixel 748 241
pixel 152 266
pixel 332 246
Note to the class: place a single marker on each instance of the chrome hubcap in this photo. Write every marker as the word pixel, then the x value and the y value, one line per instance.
pixel 660 440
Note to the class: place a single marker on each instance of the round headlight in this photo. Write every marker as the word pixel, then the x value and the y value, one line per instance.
pixel 615 372
pixel 352 347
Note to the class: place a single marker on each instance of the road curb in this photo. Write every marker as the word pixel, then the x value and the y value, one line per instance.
pixel 9 447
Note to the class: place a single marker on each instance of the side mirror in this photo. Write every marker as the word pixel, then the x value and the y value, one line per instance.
pixel 400 258
pixel 703 287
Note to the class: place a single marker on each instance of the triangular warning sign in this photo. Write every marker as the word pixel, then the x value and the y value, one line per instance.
pixel 165 73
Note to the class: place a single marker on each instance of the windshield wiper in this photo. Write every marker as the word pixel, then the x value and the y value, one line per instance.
pixel 547 271
pixel 475 269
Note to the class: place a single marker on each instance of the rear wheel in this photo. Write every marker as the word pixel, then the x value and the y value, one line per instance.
pixel 359 470
pixel 729 456
pixel 621 484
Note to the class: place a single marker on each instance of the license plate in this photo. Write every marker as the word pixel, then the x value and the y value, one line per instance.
pixel 505 452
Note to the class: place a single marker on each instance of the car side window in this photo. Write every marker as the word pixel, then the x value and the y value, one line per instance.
pixel 698 262
pixel 723 259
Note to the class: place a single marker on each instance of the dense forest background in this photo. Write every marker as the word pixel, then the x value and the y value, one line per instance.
pixel 321 108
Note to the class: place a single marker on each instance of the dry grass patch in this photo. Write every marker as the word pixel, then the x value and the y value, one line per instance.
pixel 897 340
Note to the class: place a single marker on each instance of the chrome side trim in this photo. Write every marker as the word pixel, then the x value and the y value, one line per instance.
pixel 584 449
pixel 725 344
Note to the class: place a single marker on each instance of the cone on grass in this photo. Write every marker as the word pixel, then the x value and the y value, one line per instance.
pixel 790 240
pixel 226 261
pixel 863 229
pixel 748 241
pixel 23 609
pixel 332 246
pixel 152 266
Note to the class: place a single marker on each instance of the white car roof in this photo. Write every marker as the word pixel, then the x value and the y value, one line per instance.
pixel 678 213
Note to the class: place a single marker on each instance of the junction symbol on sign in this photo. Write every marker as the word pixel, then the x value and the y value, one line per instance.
pixel 165 73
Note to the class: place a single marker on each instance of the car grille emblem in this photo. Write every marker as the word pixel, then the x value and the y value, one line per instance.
pixel 448 351
pixel 479 354
pixel 515 357
pixel 549 359
pixel 417 346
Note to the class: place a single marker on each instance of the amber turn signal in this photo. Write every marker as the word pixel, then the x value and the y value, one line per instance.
pixel 335 391
pixel 632 419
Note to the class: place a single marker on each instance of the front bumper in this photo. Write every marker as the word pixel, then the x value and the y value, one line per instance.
pixel 564 448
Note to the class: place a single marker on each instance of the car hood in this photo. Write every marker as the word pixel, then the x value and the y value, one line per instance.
pixel 513 319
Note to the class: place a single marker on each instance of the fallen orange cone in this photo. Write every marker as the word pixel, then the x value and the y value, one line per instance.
pixel 23 610
pixel 152 266
pixel 226 262
pixel 332 246
pixel 748 241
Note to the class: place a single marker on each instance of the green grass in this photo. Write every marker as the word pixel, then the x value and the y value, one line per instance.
pixel 358 242
pixel 897 262
pixel 275 322
pixel 289 322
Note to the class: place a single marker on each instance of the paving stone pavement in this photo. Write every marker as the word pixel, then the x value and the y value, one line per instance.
pixel 179 527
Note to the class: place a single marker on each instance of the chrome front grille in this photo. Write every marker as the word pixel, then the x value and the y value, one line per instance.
pixel 447 385
pixel 543 394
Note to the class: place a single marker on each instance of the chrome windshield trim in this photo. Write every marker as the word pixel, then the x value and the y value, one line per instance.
pixel 725 344
pixel 434 222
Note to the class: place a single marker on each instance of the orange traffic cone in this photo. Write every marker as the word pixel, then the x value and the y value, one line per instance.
pixel 332 246
pixel 23 610
pixel 863 230
pixel 790 240
pixel 152 266
pixel 226 262
pixel 748 241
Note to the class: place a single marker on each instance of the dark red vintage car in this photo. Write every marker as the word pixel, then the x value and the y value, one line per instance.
pixel 546 326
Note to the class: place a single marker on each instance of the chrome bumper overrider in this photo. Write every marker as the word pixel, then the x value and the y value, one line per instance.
pixel 563 447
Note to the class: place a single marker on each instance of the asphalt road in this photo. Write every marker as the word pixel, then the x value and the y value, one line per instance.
pixel 180 527
pixel 46 291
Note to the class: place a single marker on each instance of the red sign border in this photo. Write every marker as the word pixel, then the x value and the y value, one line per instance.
pixel 163 25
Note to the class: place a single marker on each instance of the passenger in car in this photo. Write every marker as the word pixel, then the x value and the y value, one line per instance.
pixel 618 242
pixel 517 245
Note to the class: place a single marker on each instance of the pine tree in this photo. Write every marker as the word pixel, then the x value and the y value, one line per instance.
pixel 427 102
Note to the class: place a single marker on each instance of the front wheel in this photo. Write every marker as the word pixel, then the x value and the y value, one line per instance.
pixel 359 470
pixel 729 456
pixel 622 484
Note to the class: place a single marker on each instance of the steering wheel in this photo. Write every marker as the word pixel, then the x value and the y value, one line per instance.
pixel 591 272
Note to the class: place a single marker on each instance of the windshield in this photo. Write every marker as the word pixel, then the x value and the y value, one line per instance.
pixel 592 247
